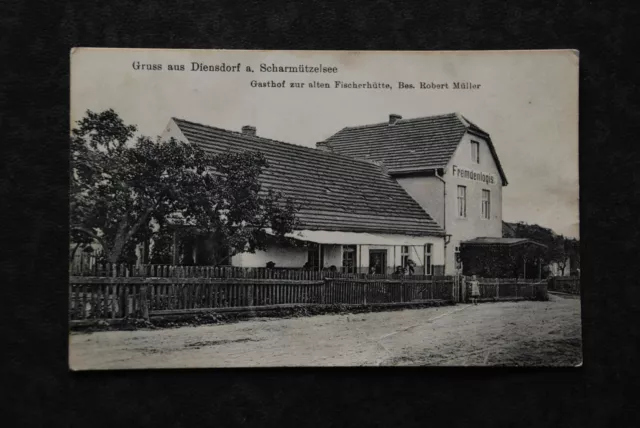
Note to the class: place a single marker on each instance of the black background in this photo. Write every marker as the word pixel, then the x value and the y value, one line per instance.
pixel 35 43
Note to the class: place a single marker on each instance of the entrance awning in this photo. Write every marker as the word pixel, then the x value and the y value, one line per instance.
pixel 353 238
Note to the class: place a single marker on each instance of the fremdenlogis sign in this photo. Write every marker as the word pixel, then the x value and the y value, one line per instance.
pixel 469 174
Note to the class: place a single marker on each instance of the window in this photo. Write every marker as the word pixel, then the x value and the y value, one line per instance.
pixel 314 257
pixel 427 260
pixel 404 255
pixel 349 257
pixel 486 204
pixel 475 152
pixel 462 201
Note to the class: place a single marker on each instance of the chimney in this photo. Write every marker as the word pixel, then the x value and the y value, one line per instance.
pixel 393 118
pixel 324 146
pixel 249 130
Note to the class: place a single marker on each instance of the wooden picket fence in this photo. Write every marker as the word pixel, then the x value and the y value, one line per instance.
pixel 565 284
pixel 99 269
pixel 509 288
pixel 171 271
pixel 141 297
pixel 387 290
pixel 122 291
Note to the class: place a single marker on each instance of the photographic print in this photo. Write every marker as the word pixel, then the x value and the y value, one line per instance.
pixel 323 208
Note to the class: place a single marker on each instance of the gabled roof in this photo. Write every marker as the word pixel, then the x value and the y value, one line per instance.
pixel 335 192
pixel 410 145
pixel 509 242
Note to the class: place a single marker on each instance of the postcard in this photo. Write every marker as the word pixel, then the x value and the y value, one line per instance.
pixel 323 208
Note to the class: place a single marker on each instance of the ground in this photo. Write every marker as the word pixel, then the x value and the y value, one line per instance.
pixel 504 334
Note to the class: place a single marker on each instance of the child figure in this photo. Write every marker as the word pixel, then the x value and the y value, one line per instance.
pixel 475 290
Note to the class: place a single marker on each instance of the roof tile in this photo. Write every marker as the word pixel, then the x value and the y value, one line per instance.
pixel 336 192
pixel 427 142
pixel 422 143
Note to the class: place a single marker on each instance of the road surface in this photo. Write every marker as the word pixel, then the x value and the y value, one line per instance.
pixel 505 333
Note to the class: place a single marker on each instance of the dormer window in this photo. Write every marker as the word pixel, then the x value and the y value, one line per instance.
pixel 475 152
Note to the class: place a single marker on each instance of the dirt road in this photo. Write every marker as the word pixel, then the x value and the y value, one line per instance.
pixel 508 333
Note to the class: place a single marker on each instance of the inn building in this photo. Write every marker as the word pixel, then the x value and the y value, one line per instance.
pixel 446 163
pixel 353 215
pixel 375 196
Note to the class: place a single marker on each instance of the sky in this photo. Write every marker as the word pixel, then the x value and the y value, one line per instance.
pixel 527 101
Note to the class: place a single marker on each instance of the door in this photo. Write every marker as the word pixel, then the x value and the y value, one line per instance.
pixel 349 259
pixel 377 262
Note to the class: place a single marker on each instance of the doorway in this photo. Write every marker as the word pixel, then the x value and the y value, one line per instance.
pixel 377 262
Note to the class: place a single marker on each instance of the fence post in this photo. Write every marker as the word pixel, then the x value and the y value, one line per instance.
pixel 434 284
pixel 144 301
pixel 323 290
pixel 365 292
pixel 123 298
pixel 453 289
pixel 463 289
pixel 250 291
pixel 498 288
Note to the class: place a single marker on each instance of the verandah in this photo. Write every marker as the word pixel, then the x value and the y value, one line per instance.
pixel 309 250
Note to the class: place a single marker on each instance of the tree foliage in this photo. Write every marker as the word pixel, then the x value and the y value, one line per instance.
pixel 559 247
pixel 125 190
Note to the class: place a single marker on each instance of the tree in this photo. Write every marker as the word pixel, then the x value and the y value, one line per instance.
pixel 567 253
pixel 125 190
pixel 572 248
pixel 560 249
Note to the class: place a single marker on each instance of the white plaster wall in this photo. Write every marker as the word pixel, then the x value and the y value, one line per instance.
pixel 473 225
pixel 282 257
pixel 287 257
pixel 332 255
pixel 297 257
pixel 429 193
pixel 172 130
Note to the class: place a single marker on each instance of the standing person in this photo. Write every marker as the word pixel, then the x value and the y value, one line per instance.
pixel 475 290
pixel 375 269
pixel 410 268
